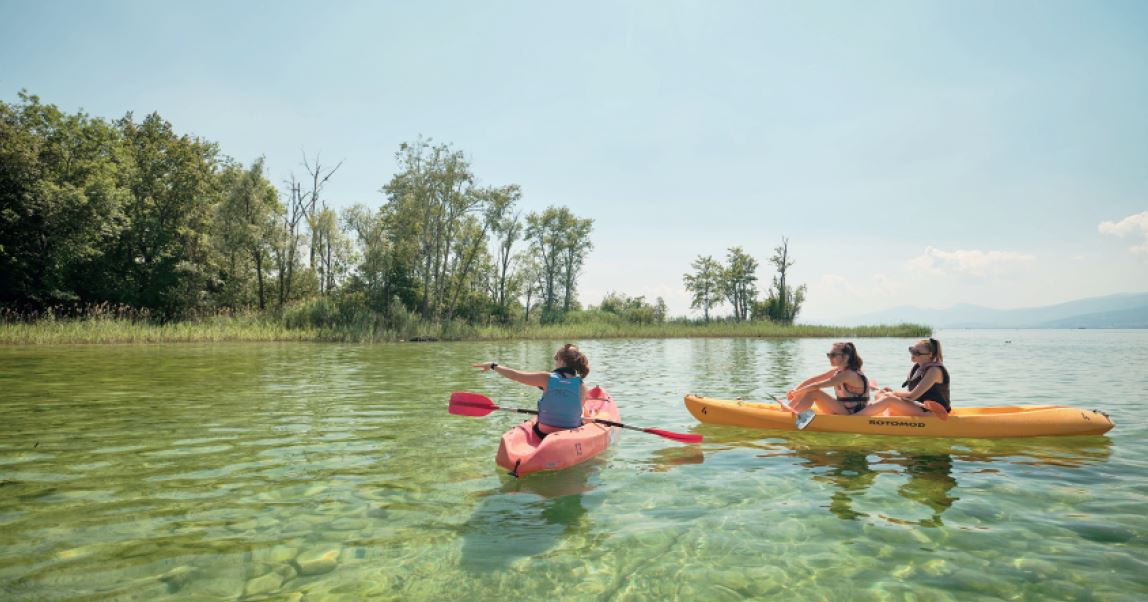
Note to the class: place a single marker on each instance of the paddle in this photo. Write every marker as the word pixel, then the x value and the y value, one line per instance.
pixel 800 419
pixel 473 404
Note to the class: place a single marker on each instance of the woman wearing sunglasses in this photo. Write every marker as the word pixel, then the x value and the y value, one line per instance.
pixel 926 391
pixel 850 385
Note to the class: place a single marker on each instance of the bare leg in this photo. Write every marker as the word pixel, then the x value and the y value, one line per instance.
pixel 825 403
pixel 804 401
pixel 876 408
pixel 896 407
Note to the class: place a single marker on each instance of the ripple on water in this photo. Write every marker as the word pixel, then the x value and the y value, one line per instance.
pixel 273 471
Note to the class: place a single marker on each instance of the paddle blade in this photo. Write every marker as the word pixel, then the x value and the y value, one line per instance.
pixel 679 437
pixel 804 418
pixel 470 404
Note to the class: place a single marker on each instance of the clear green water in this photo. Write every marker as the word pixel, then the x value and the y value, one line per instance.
pixel 220 472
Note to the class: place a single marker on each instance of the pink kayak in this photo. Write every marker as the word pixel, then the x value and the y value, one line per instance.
pixel 522 453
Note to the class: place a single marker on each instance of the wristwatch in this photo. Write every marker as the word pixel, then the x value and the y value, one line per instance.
pixel 493 365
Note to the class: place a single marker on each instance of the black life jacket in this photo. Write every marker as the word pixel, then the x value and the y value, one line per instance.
pixel 938 392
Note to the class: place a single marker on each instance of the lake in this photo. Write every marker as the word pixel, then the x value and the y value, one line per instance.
pixel 334 472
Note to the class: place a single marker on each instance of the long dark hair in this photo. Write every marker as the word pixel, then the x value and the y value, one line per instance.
pixel 849 350
pixel 573 359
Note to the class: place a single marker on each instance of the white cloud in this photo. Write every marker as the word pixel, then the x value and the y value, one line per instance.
pixel 1135 225
pixel 973 262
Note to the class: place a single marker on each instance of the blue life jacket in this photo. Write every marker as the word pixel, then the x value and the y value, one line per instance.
pixel 561 405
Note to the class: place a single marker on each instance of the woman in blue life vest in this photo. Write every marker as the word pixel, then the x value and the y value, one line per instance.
pixel 849 383
pixel 926 391
pixel 563 389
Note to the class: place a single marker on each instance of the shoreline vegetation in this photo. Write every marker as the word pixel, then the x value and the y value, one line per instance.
pixel 127 231
pixel 257 328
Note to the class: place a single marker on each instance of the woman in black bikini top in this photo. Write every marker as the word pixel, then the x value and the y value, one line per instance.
pixel 850 385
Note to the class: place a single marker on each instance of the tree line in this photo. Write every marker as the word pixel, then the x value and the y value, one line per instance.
pixel 133 213
pixel 712 284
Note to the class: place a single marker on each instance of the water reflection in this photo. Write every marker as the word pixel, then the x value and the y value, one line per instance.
pixel 930 483
pixel 507 526
pixel 930 469
pixel 930 480
pixel 782 368
pixel 668 458
pixel 848 470
pixel 733 365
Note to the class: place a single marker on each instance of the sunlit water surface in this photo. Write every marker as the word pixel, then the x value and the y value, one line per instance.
pixel 334 472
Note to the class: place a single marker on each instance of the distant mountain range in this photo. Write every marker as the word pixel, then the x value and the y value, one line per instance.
pixel 1126 310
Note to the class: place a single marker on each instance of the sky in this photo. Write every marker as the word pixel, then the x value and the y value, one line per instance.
pixel 913 153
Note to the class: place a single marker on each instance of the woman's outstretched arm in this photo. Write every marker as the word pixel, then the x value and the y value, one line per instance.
pixel 533 379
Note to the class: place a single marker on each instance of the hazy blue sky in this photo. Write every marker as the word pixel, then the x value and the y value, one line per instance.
pixel 913 152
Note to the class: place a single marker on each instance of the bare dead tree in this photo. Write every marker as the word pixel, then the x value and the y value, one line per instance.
pixel 296 212
pixel 319 177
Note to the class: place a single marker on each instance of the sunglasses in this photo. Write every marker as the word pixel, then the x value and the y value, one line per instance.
pixel 917 351
pixel 833 354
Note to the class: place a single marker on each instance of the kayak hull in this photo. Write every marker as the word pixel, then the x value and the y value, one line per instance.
pixel 521 452
pixel 979 423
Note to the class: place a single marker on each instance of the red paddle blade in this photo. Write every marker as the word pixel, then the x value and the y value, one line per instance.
pixel 470 404
pixel 680 437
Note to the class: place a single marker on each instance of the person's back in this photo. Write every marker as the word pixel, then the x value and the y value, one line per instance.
pixel 560 406
pixel 563 390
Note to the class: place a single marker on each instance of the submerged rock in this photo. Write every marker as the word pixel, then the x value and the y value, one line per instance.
pixel 178 576
pixel 317 562
pixel 280 554
pixel 264 584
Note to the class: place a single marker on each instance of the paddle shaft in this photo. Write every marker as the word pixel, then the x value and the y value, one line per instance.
pixel 483 406
pixel 597 420
pixel 526 411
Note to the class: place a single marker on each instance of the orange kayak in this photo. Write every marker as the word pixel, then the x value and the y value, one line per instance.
pixel 980 423
pixel 522 453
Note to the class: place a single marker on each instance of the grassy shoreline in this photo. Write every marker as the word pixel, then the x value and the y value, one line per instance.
pixel 258 329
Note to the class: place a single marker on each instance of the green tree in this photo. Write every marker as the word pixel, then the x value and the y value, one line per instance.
pixel 739 282
pixel 244 228
pixel 532 279
pixel 506 228
pixel 705 284
pixel 162 258
pixel 61 202
pixel 560 241
pixel 333 248
pixel 634 310
pixel 578 246
pixel 432 190
pixel 374 251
